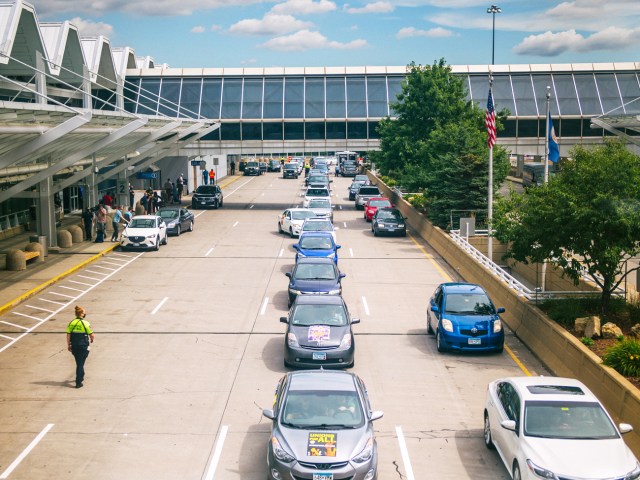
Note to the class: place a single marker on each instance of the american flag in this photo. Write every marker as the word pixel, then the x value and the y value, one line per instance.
pixel 490 121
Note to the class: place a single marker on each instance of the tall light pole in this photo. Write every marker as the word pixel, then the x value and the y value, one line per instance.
pixel 493 9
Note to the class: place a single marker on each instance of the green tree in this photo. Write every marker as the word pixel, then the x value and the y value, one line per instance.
pixel 437 143
pixel 586 219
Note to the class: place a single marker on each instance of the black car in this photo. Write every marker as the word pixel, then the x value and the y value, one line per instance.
pixel 319 333
pixel 290 170
pixel 355 187
pixel 390 221
pixel 349 169
pixel 263 167
pixel 207 196
pixel 177 219
pixel 314 276
pixel 274 166
pixel 252 168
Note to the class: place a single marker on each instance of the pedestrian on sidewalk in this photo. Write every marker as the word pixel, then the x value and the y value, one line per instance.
pixel 180 185
pixel 88 220
pixel 168 189
pixel 79 338
pixel 205 177
pixel 127 216
pixel 233 167
pixel 212 177
pixel 101 221
pixel 117 216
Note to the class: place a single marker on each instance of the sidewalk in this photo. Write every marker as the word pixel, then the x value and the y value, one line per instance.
pixel 15 287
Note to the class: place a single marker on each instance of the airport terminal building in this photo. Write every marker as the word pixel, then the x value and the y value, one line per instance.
pixel 79 116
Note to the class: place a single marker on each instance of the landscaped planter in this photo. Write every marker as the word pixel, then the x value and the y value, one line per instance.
pixel 558 349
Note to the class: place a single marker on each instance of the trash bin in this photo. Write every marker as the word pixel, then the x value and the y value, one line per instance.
pixel 42 240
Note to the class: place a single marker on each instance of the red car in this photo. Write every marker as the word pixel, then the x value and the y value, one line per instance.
pixel 373 204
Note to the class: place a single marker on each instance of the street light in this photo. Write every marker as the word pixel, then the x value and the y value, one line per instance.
pixel 493 9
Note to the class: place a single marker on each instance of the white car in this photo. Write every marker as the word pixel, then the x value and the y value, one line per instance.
pixel 315 192
pixel 322 207
pixel 144 232
pixel 319 224
pixel 291 220
pixel 555 428
pixel 300 162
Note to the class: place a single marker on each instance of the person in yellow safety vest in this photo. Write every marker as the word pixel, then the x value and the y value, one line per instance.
pixel 307 167
pixel 79 338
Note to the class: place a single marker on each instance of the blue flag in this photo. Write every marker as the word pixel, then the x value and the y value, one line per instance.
pixel 554 149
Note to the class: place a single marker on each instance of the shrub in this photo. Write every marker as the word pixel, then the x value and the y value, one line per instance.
pixel 624 357
pixel 588 341
pixel 418 200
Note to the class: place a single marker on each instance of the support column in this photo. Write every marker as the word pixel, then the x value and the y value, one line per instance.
pixel 41 80
pixel 122 188
pixel 86 89
pixel 92 186
pixel 45 211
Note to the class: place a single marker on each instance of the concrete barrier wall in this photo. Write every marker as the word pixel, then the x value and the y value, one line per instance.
pixel 559 350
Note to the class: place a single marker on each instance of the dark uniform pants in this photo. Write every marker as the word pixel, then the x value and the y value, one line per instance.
pixel 80 354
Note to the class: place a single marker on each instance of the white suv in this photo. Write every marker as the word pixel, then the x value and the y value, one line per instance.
pixel 315 192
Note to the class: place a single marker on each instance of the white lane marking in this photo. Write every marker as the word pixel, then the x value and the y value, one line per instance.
pixel 111 263
pixel 351 252
pixel 345 224
pixel 196 216
pixel 236 224
pixel 211 471
pixel 6 336
pixel 27 316
pixel 14 325
pixel 209 251
pixel 405 454
pixel 245 183
pixel 105 268
pixel 90 278
pixel 281 252
pixel 155 310
pixel 64 305
pixel 39 308
pixel 71 288
pixel 25 452
pixel 97 273
pixel 251 206
pixel 81 283
pixel 52 301
pixel 366 306
pixel 264 305
pixel 116 254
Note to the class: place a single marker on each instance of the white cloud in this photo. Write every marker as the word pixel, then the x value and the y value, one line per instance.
pixel 270 24
pixel 197 29
pixel 304 7
pixel 551 44
pixel 375 7
pixel 307 40
pixel 88 28
pixel 215 28
pixel 437 32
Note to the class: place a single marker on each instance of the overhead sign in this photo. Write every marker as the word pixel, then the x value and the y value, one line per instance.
pixel 148 175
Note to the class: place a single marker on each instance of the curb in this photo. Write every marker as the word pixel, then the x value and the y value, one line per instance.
pixel 39 288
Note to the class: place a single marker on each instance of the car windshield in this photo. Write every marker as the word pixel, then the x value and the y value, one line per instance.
pixel 301 214
pixel 290 166
pixel 379 203
pixel 360 178
pixel 314 271
pixel 476 303
pixel 567 420
pixel 318 179
pixel 319 203
pixel 206 189
pixel 332 315
pixel 387 214
pixel 317 192
pixel 169 213
pixel 252 164
pixel 142 223
pixel 318 226
pixel 316 243
pixel 322 410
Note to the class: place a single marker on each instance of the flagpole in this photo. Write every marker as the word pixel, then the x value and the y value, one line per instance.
pixel 490 193
pixel 546 177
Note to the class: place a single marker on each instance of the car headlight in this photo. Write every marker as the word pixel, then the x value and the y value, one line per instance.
pixel 292 340
pixel 366 453
pixel 279 452
pixel 334 292
pixel 539 471
pixel 497 326
pixel 295 292
pixel 447 325
pixel 401 225
pixel 381 225
pixel 151 236
pixel 346 341
pixel 172 223
pixel 634 474
pixel 332 255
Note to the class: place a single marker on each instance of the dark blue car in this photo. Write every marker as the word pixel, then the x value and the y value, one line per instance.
pixel 314 276
pixel 463 317
pixel 317 244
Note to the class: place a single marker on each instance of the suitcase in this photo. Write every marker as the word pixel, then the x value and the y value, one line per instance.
pixel 100 236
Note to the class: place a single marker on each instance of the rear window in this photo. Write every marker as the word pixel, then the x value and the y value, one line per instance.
pixel 252 164
pixel 369 191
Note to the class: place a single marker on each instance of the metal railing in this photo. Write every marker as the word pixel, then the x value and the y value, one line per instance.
pixel 15 219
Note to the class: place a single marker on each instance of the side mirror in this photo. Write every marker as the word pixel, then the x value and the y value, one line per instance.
pixel 342 275
pixel 288 274
pixel 295 245
pixel 338 246
pixel 354 321
pixel 508 425
pixel 267 412
pixel 284 320
pixel 625 428
pixel 376 414
pixel 500 310
pixel 434 308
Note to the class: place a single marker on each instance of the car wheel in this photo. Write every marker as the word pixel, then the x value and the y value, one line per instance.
pixel 488 442
pixel 516 472
pixel 429 329
pixel 439 345
pixel 291 232
pixel 287 364
pixel 375 232
pixel 500 349
pixel 166 239
pixel 191 226
pixel 178 231
pixel 221 202
pixel 157 246
pixel 352 364
pixel 280 228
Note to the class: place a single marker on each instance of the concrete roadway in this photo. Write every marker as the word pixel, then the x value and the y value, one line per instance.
pixel 189 350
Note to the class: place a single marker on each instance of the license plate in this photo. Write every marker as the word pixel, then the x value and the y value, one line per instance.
pixel 323 476
pixel 136 244
pixel 391 229
pixel 320 356
pixel 474 341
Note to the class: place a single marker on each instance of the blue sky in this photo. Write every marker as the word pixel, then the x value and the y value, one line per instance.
pixel 306 33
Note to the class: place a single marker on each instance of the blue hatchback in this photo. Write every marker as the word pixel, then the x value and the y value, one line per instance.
pixel 317 244
pixel 463 317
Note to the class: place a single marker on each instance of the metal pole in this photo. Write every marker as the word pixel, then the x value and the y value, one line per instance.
pixel 490 208
pixel 493 38
pixel 546 138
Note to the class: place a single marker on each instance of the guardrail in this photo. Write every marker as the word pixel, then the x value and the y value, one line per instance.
pixel 14 219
